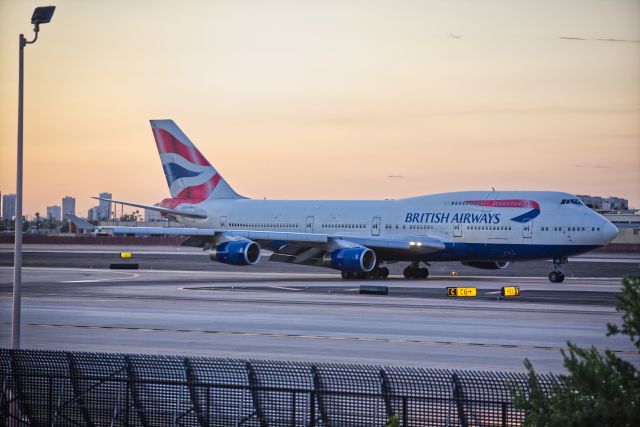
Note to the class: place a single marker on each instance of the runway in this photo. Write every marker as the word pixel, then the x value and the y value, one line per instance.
pixel 311 315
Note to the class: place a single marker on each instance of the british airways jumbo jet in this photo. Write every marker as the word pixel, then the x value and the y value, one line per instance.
pixel 483 229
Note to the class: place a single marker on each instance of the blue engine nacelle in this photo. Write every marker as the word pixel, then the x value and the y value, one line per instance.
pixel 488 265
pixel 239 252
pixel 353 260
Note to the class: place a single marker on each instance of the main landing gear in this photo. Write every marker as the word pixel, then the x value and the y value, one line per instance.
pixel 557 276
pixel 376 274
pixel 414 271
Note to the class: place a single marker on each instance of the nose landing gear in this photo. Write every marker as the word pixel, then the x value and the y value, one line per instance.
pixel 414 271
pixel 557 276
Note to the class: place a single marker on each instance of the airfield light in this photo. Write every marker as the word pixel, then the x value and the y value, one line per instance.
pixel 41 15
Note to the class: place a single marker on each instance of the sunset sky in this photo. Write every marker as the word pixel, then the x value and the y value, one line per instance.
pixel 326 99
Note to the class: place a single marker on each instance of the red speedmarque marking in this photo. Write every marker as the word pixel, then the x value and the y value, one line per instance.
pixel 168 143
pixel 509 203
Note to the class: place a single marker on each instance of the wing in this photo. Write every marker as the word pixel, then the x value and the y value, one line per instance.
pixel 298 248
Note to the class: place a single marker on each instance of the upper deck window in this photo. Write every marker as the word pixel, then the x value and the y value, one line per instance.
pixel 571 202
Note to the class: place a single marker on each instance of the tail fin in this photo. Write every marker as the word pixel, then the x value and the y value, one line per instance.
pixel 190 177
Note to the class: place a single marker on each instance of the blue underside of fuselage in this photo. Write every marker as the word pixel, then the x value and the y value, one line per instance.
pixel 489 252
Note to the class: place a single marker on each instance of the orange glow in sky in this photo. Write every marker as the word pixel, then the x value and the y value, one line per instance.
pixel 326 99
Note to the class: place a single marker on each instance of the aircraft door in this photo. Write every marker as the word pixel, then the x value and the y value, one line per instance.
pixel 457 230
pixel 527 229
pixel 375 226
pixel 223 221
pixel 309 225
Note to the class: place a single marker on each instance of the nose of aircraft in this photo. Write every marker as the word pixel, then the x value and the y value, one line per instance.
pixel 609 231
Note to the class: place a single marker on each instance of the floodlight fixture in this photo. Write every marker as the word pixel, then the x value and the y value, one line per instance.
pixel 42 15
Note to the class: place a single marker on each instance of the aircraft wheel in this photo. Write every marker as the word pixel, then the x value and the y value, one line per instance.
pixel 376 273
pixel 423 273
pixel 346 275
pixel 556 277
pixel 408 272
pixel 385 272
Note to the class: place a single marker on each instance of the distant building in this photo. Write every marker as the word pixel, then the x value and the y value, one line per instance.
pixel 68 205
pixel 105 207
pixel 150 215
pixel 605 204
pixel 8 206
pixel 54 213
pixel 94 214
pixel 628 224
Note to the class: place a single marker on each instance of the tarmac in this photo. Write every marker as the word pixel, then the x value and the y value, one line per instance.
pixel 180 302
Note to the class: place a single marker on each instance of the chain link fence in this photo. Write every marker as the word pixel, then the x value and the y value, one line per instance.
pixel 57 388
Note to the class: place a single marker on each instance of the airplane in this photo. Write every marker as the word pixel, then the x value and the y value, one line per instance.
pixel 481 229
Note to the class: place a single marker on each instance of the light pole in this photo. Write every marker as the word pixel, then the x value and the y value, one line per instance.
pixel 41 15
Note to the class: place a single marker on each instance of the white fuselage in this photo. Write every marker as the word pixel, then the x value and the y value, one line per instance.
pixel 474 225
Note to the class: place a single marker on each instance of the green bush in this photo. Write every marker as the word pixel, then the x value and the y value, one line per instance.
pixel 600 389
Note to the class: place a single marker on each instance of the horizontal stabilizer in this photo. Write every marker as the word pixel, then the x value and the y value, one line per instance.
pixel 159 231
pixel 161 209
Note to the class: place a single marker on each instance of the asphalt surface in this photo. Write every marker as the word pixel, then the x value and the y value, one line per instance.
pixel 182 303
pixel 169 258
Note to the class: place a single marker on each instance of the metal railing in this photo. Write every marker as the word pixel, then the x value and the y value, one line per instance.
pixel 101 389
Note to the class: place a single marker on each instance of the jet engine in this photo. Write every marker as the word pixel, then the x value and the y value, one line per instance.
pixel 353 260
pixel 488 265
pixel 238 252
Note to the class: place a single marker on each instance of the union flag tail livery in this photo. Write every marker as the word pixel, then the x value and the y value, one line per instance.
pixel 190 176
pixel 481 229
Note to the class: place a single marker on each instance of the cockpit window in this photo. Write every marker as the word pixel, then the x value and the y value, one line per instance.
pixel 571 202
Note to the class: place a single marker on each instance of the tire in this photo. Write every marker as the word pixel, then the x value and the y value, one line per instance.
pixel 424 273
pixel 385 272
pixel 346 275
pixel 408 272
pixel 554 277
pixel 561 278
pixel 376 273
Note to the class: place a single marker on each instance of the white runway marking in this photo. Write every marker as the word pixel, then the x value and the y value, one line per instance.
pixel 285 288
pixel 612 260
pixel 109 279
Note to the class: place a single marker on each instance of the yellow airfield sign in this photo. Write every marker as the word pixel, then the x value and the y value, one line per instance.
pixel 461 292
pixel 510 291
pixel 125 255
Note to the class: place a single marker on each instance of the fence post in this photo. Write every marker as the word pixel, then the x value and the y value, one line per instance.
pixel 405 409
pixel 126 406
pixel 312 410
pixel 458 395
pixel 50 402
pixel 208 405
pixel 504 414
